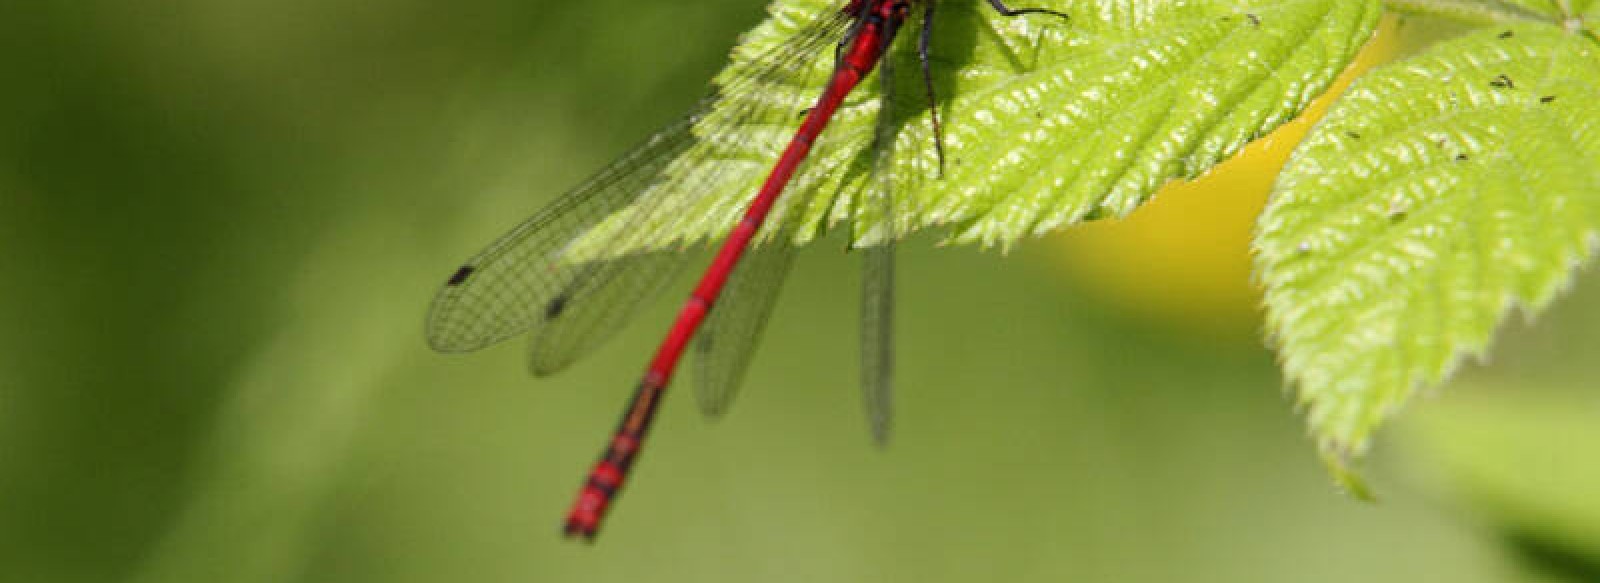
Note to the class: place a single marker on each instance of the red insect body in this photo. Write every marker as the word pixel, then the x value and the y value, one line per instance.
pixel 528 280
pixel 877 23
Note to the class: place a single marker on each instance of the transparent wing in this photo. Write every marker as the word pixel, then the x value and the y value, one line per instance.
pixel 600 299
pixel 879 197
pixel 726 343
pixel 605 294
pixel 730 335
pixel 877 339
pixel 536 278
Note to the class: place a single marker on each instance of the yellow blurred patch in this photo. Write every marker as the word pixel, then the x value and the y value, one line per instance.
pixel 1184 258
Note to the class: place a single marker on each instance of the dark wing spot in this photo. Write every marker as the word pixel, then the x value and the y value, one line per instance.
pixel 461 275
pixel 556 306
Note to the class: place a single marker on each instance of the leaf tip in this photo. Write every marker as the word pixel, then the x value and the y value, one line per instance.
pixel 1340 460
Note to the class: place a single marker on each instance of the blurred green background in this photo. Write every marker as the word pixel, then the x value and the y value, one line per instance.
pixel 221 222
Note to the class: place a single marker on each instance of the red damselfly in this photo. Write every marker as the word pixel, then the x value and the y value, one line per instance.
pixel 534 278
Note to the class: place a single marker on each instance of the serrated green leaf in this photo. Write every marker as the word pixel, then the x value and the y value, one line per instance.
pixel 1568 12
pixel 1439 193
pixel 1047 122
pixel 1588 19
pixel 1475 11
pixel 1553 9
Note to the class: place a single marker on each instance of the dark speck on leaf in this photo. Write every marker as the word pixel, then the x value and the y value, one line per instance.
pixel 1255 20
pixel 1508 34
pixel 1461 157
pixel 1353 135
pixel 1547 99
pixel 1502 82
pixel 555 308
pixel 461 275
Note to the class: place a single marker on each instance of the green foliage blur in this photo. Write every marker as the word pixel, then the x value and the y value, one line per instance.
pixel 221 222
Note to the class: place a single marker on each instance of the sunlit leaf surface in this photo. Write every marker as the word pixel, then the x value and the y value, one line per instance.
pixel 1048 122
pixel 1481 11
pixel 1439 194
